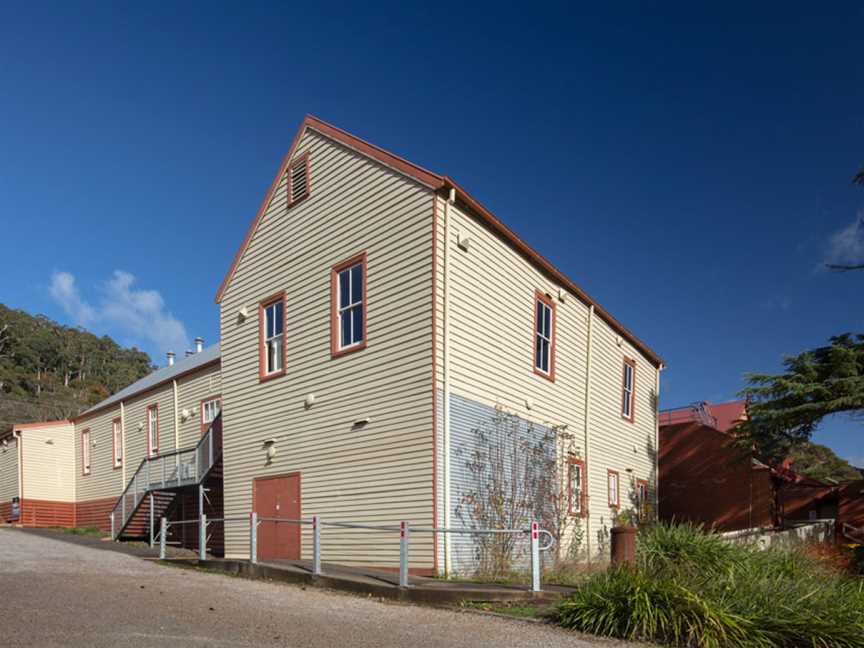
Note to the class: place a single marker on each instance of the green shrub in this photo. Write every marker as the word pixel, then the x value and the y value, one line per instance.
pixel 689 588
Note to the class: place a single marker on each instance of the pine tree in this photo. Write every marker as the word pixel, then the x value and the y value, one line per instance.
pixel 785 409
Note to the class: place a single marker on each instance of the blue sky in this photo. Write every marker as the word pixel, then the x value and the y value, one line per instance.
pixel 689 166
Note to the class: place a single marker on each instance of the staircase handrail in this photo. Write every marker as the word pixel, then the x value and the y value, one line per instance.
pixel 148 461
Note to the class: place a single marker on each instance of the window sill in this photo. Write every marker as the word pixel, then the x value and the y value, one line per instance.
pixel 338 353
pixel 271 376
pixel 548 376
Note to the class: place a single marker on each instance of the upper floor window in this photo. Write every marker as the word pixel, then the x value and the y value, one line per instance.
pixel 628 390
pixel 272 325
pixel 544 336
pixel 209 411
pixel 117 442
pixel 298 179
pixel 153 430
pixel 348 284
pixel 576 487
pixel 614 495
pixel 85 452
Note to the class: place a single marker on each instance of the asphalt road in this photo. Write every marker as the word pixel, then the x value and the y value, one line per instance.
pixel 56 593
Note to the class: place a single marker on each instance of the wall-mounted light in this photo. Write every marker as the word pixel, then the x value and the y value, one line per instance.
pixel 363 421
pixel 270 449
pixel 529 404
pixel 463 241
pixel 309 401
pixel 140 426
pixel 49 441
pixel 242 314
pixel 185 414
pixel 562 295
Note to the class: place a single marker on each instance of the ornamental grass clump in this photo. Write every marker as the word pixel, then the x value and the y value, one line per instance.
pixel 690 588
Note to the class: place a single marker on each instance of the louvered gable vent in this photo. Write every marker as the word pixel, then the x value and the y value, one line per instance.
pixel 298 180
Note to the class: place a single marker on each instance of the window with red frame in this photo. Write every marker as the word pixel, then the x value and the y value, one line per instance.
pixel 576 487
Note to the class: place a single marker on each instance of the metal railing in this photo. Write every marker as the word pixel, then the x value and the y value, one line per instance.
pixel 405 531
pixel 533 532
pixel 175 469
pixel 855 534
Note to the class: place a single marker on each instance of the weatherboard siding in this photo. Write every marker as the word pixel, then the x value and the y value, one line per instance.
pixel 490 304
pixel 49 464
pixel 191 390
pixel 380 472
pixel 104 480
pixel 8 470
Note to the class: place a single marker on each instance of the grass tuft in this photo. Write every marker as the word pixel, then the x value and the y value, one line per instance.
pixel 689 588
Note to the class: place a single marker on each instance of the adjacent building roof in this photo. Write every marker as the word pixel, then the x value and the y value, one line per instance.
pixel 720 416
pixel 181 367
pixel 435 182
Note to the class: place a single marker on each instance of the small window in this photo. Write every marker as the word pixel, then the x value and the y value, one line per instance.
pixel 349 305
pixel 152 430
pixel 614 500
pixel 298 180
pixel 576 487
pixel 272 324
pixel 544 336
pixel 117 437
pixel 209 411
pixel 628 391
pixel 642 498
pixel 85 452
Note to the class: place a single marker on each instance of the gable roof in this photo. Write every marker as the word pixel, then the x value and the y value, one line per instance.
pixel 180 368
pixel 435 182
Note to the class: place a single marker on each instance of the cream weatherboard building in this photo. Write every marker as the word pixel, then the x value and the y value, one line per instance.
pixel 373 318
pixel 71 473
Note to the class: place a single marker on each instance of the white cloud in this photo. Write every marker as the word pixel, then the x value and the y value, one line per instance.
pixel 138 315
pixel 846 247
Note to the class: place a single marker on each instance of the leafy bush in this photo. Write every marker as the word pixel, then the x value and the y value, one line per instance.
pixel 690 588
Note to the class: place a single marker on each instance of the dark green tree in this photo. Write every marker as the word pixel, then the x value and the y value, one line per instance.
pixel 785 409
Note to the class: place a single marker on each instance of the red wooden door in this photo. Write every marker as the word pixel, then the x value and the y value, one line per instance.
pixel 278 497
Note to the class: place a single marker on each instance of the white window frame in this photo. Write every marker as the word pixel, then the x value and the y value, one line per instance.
pixel 85 452
pixel 541 308
pixel 270 338
pixel 117 436
pixel 613 477
pixel 628 390
pixel 351 306
pixel 207 406
pixel 152 428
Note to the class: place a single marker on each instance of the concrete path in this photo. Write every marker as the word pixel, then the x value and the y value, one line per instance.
pixel 57 593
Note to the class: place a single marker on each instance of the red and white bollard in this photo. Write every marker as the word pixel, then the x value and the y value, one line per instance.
pixel 535 557
pixel 404 538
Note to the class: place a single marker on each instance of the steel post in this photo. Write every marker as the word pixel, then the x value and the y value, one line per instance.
pixel 163 531
pixel 202 538
pixel 112 527
pixel 535 557
pixel 316 546
pixel 253 538
pixel 152 520
pixel 404 540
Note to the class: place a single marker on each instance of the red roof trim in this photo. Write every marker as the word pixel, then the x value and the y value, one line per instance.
pixel 433 181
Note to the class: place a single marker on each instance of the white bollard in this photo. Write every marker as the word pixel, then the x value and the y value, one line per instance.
pixel 535 557
pixel 113 536
pixel 163 531
pixel 253 538
pixel 404 540
pixel 316 546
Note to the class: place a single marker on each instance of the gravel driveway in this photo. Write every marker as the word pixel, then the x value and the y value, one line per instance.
pixel 56 593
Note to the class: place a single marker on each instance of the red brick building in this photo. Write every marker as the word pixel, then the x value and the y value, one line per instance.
pixel 705 478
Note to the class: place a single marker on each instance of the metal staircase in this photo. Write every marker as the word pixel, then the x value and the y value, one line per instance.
pixel 161 477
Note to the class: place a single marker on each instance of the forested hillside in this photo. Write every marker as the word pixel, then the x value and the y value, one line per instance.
pixel 50 371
